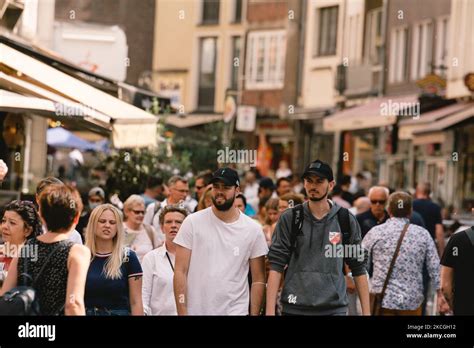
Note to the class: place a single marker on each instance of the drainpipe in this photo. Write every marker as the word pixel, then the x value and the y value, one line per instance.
pixel 26 162
pixel 381 89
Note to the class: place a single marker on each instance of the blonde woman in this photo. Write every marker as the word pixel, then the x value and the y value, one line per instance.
pixel 114 280
pixel 206 199
pixel 139 236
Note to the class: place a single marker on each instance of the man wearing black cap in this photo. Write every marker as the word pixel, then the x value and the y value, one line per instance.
pixel 314 281
pixel 215 248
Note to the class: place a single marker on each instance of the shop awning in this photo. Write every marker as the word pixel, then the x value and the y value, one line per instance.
pixel 408 126
pixel 191 120
pixel 131 126
pixel 377 113
pixel 449 121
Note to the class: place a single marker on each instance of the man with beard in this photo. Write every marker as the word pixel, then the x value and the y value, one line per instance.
pixel 214 249
pixel 314 281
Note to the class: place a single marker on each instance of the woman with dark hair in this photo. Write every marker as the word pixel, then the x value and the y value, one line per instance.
pixel 19 222
pixel 58 266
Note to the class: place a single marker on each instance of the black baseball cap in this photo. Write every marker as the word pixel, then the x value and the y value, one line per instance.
pixel 320 169
pixel 227 175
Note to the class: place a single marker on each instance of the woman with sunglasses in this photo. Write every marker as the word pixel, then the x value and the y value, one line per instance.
pixel 140 237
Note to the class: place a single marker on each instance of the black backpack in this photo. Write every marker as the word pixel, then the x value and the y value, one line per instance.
pixel 297 226
pixel 23 299
pixel 470 234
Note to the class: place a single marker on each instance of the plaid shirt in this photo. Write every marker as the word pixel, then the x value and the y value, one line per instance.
pixel 405 288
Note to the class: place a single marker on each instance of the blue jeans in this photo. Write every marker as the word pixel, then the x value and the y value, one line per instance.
pixel 107 312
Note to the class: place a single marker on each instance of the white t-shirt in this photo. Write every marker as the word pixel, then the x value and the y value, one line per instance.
pixel 217 282
pixel 157 289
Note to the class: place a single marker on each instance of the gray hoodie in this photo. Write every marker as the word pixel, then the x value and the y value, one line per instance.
pixel 314 283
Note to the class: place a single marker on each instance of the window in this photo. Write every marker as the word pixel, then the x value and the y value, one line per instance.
pixel 207 73
pixel 210 11
pixel 441 46
pixel 422 50
pixel 266 59
pixel 236 49
pixel 327 31
pixel 237 15
pixel 373 42
pixel 398 58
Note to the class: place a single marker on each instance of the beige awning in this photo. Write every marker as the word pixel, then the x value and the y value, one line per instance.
pixel 407 127
pixel 191 120
pixel 377 113
pixel 449 121
pixel 131 126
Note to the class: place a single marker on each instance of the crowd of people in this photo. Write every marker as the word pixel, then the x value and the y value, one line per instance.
pixel 238 245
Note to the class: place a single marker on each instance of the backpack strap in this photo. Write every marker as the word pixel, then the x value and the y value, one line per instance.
pixel 149 232
pixel 345 224
pixel 470 234
pixel 296 225
pixel 156 209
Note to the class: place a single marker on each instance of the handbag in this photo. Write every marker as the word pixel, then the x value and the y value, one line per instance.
pixel 23 299
pixel 377 298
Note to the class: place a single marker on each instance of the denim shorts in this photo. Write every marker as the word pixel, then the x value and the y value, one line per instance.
pixel 107 312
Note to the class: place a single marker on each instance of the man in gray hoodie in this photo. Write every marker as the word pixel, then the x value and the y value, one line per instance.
pixel 314 281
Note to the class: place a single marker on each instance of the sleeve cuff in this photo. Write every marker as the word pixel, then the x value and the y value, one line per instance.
pixel 277 268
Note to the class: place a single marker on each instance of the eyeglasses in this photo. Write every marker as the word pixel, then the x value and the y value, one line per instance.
pixel 375 201
pixel 137 212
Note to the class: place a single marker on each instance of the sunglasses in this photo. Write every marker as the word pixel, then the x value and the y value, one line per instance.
pixel 381 202
pixel 199 187
pixel 137 212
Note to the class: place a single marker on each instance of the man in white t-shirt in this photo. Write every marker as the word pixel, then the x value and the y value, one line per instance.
pixel 214 249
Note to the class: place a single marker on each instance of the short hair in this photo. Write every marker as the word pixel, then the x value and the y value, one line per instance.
pixel 242 197
pixel 272 203
pixel 206 176
pixel 283 179
pixel 373 188
pixel 59 206
pixel 154 181
pixel 425 188
pixel 50 180
pixel 171 209
pixel 130 202
pixel 175 178
pixel 295 197
pixel 337 190
pixel 29 215
pixel 400 204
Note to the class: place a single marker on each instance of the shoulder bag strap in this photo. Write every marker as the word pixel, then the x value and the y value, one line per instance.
pixel 394 258
pixel 45 263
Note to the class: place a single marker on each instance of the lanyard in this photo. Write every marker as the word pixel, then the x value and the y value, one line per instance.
pixel 169 260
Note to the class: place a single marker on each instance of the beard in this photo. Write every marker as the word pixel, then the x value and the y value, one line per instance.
pixel 317 199
pixel 229 203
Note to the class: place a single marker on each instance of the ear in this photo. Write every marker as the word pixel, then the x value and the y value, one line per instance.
pixel 237 190
pixel 28 231
pixel 331 185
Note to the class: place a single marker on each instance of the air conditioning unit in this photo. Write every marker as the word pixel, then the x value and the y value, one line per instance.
pixel 10 13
